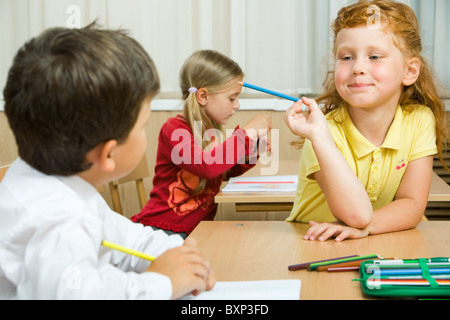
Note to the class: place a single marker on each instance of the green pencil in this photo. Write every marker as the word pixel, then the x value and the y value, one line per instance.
pixel 314 266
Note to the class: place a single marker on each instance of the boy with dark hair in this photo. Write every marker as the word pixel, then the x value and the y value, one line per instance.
pixel 78 102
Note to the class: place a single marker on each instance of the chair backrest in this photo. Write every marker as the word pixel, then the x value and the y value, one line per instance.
pixel 3 171
pixel 137 175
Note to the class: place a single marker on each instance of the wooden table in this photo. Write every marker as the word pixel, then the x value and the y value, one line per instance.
pixel 283 201
pixel 440 190
pixel 263 250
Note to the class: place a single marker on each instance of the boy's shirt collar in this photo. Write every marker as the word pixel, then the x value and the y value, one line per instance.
pixel 87 192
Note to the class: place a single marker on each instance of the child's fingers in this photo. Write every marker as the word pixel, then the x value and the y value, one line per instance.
pixel 199 285
pixel 196 259
pixel 197 274
pixel 311 104
pixel 209 284
pixel 296 108
pixel 211 281
pixel 293 110
pixel 315 230
pixel 190 248
pixel 201 269
pixel 346 233
pixel 322 231
pixel 269 123
pixel 325 231
pixel 190 242
pixel 294 116
pixel 194 256
pixel 329 232
pixel 203 278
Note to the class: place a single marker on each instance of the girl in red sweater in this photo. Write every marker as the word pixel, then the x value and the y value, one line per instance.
pixel 194 154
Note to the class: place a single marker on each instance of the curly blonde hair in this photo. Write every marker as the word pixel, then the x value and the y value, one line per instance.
pixel 399 19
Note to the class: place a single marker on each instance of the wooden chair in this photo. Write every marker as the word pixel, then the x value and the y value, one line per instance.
pixel 137 175
pixel 3 171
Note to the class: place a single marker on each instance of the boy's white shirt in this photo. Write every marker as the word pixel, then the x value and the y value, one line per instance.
pixel 51 229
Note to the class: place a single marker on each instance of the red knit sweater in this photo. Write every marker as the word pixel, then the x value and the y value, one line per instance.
pixel 180 166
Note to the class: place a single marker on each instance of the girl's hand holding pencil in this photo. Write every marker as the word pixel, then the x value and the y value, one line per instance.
pixel 258 127
pixel 307 126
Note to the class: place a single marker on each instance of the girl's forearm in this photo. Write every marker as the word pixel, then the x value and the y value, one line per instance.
pixel 346 196
pixel 402 214
pixel 410 203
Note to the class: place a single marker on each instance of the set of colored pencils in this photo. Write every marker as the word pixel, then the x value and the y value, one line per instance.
pixel 408 272
pixel 349 263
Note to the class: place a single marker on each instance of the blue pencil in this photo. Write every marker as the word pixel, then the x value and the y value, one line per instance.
pixel 274 93
pixel 409 272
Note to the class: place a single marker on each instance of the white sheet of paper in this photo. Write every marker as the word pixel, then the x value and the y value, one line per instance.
pixel 252 290
pixel 262 184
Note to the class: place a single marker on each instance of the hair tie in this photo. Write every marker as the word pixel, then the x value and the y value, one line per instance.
pixel 192 90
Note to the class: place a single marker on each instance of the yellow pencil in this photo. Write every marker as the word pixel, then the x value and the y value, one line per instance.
pixel 127 250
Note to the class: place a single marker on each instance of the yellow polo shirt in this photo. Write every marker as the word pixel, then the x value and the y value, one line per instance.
pixel 411 136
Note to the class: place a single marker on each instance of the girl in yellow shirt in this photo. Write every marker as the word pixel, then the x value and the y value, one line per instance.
pixel 366 166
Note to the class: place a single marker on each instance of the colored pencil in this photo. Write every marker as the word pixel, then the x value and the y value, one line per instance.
pixel 342 269
pixel 271 92
pixel 314 266
pixel 406 266
pixel 305 265
pixel 127 250
pixel 438 276
pixel 408 261
pixel 349 264
pixel 405 282
pixel 393 272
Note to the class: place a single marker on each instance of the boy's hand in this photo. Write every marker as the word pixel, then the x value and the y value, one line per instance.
pixel 188 271
pixel 324 231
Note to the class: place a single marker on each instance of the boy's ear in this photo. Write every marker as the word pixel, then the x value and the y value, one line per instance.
pixel 202 96
pixel 412 72
pixel 106 156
